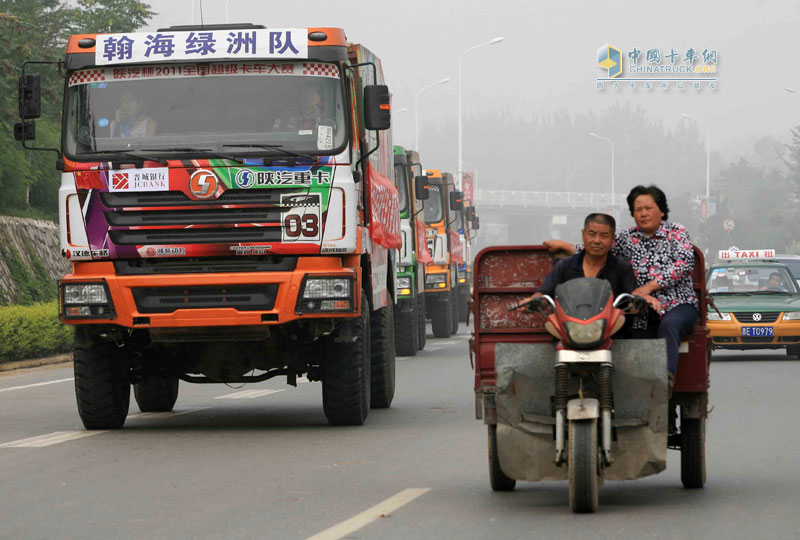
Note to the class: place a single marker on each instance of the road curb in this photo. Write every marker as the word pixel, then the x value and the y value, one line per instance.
pixel 36 362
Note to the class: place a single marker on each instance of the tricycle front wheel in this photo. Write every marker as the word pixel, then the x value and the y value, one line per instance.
pixel 583 481
pixel 693 452
pixel 497 478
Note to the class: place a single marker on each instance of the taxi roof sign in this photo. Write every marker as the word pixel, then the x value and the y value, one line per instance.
pixel 729 255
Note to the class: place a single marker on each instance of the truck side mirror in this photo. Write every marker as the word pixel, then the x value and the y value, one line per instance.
pixel 30 96
pixel 25 131
pixel 377 107
pixel 456 200
pixel 471 214
pixel 422 188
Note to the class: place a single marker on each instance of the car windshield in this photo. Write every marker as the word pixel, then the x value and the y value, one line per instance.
pixel 794 266
pixel 271 108
pixel 750 279
pixel 434 211
pixel 402 186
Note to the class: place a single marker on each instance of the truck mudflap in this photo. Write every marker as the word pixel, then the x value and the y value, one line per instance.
pixel 525 430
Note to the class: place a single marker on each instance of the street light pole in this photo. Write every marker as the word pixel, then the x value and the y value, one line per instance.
pixel 613 187
pixel 460 60
pixel 416 109
pixel 708 152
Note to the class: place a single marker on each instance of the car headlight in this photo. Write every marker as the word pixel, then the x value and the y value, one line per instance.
pixel 721 316
pixel 404 282
pixel 792 316
pixel 327 288
pixel 585 334
pixel 85 293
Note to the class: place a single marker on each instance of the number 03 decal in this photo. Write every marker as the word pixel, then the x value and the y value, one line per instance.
pixel 300 221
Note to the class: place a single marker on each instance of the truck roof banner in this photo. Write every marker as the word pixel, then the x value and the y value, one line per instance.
pixel 456 248
pixel 167 46
pixel 423 253
pixel 384 211
pixel 730 255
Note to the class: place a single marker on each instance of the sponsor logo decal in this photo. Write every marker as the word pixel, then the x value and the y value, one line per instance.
pixel 245 179
pixel 156 179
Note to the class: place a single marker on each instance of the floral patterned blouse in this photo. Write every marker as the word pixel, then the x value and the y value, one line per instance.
pixel 666 257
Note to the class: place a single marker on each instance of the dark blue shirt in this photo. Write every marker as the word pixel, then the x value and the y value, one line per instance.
pixel 617 271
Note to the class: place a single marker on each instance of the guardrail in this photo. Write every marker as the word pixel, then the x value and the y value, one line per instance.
pixel 546 198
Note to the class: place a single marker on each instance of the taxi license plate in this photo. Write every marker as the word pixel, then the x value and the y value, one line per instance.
pixel 758 331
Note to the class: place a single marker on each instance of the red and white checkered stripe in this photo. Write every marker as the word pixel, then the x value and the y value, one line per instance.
pixel 321 70
pixel 87 76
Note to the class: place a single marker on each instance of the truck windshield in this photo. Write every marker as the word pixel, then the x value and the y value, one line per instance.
pixel 288 106
pixel 402 186
pixel 433 206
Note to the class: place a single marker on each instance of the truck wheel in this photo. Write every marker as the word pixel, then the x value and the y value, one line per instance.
pixel 406 331
pixel 583 484
pixel 423 328
pixel 156 393
pixel 102 389
pixel 497 478
pixel 454 307
pixel 693 452
pixel 346 375
pixel 382 341
pixel 442 316
pixel 793 350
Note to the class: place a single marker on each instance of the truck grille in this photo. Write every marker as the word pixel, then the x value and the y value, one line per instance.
pixel 240 297
pixel 747 317
pixel 236 216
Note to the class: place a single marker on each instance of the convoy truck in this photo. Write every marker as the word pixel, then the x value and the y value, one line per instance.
pixel 410 308
pixel 447 251
pixel 228 206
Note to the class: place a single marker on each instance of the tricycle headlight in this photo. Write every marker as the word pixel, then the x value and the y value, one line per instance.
pixel 404 282
pixel 585 334
pixel 86 293
pixel 721 316
pixel 327 288
pixel 792 316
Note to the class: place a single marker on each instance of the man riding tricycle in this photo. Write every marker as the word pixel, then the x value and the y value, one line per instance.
pixel 563 397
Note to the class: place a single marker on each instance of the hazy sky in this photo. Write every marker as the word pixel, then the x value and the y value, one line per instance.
pixel 548 60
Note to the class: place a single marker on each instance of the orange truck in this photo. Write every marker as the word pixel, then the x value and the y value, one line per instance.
pixel 228 206
pixel 440 210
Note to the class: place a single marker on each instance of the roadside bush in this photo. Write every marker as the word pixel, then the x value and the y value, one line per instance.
pixel 32 332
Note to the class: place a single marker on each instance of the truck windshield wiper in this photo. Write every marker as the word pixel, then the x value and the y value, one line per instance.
pixel 134 155
pixel 278 147
pixel 774 292
pixel 208 151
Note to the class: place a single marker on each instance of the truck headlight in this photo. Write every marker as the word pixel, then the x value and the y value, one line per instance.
pixel 585 334
pixel 724 316
pixel 436 281
pixel 791 316
pixel 320 294
pixel 462 276
pixel 403 282
pixel 86 301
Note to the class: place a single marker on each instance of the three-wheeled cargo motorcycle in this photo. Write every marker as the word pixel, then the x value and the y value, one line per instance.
pixel 564 400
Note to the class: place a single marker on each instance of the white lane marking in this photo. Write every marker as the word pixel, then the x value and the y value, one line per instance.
pixel 402 357
pixel 448 342
pixel 249 394
pixel 366 517
pixel 431 349
pixel 35 384
pixel 167 414
pixel 303 380
pixel 50 439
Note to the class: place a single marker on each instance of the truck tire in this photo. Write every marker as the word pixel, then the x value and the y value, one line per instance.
pixel 463 299
pixel 423 327
pixel 102 389
pixel 442 316
pixel 454 307
pixel 497 478
pixel 583 481
pixel 693 452
pixel 382 372
pixel 406 331
pixel 156 393
pixel 346 375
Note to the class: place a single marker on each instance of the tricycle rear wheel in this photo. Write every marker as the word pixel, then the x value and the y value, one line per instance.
pixel 497 478
pixel 693 452
pixel 583 481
